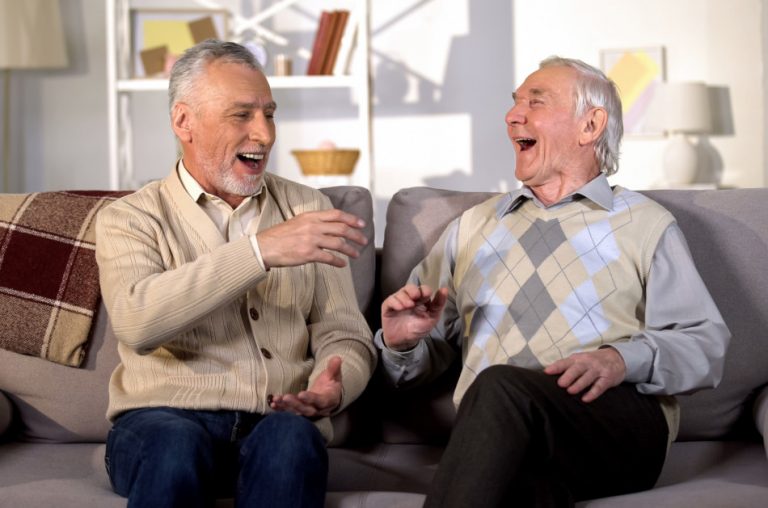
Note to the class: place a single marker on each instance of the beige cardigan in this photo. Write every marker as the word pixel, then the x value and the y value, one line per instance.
pixel 202 326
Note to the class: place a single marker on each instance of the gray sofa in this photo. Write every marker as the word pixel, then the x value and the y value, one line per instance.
pixel 387 444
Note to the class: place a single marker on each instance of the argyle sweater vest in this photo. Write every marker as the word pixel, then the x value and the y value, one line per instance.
pixel 535 285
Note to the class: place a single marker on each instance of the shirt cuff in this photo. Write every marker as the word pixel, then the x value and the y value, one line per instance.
pixel 257 251
pixel 398 357
pixel 638 359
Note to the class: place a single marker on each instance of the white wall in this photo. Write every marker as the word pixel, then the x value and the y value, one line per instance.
pixel 443 74
pixel 715 41
pixel 58 117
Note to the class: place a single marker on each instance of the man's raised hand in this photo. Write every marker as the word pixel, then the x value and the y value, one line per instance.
pixel 410 314
pixel 312 237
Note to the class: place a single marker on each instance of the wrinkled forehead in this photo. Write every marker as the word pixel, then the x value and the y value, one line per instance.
pixel 551 82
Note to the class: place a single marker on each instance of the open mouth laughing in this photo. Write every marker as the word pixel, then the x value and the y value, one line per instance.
pixel 251 159
pixel 525 143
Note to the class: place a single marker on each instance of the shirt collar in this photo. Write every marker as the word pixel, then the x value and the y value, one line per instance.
pixel 190 184
pixel 597 190
pixel 195 190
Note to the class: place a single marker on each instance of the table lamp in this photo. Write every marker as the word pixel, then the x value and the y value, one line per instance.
pixel 31 37
pixel 685 110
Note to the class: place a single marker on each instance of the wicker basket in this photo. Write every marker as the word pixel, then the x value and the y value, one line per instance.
pixel 327 162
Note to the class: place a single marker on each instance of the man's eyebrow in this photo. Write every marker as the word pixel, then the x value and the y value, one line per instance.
pixel 533 92
pixel 254 105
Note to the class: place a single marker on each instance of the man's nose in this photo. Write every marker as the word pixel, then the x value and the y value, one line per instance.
pixel 261 130
pixel 515 115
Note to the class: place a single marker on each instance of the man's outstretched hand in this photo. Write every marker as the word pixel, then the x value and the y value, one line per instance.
pixel 320 399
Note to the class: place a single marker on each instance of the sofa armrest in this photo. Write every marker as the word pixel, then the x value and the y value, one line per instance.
pixel 761 415
pixel 6 413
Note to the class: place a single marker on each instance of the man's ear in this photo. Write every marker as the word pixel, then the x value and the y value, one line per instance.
pixel 592 127
pixel 181 121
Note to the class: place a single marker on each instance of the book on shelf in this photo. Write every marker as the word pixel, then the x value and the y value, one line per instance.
pixel 328 38
pixel 320 45
pixel 339 24
pixel 347 45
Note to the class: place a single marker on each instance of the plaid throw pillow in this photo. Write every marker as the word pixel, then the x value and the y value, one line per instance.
pixel 49 281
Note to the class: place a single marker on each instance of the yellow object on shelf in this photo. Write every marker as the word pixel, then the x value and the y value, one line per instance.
pixel 327 162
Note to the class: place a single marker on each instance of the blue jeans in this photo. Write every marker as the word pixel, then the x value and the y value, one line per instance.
pixel 175 457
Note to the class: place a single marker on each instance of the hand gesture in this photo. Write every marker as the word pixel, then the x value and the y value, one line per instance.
pixel 318 400
pixel 409 314
pixel 312 237
pixel 597 370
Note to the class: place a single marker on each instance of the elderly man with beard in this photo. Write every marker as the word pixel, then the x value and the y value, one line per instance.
pixel 227 288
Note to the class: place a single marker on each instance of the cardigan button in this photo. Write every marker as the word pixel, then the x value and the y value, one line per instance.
pixel 266 353
pixel 253 313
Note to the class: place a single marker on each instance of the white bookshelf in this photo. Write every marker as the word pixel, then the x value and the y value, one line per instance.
pixel 122 88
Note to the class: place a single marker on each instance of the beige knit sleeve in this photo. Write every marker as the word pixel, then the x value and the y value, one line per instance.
pixel 151 294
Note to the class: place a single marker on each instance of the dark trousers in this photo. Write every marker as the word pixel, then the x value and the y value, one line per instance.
pixel 521 440
pixel 168 457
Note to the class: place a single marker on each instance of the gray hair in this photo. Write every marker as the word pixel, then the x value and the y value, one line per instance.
pixel 595 89
pixel 192 63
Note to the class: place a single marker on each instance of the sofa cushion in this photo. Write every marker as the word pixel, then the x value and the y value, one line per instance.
pixel 61 404
pixel 60 475
pixel 396 468
pixel 374 499
pixel 727 231
pixel 704 474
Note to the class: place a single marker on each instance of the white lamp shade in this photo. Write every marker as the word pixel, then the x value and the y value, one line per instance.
pixel 31 35
pixel 686 108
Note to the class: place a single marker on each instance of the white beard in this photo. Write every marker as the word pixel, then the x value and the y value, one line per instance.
pixel 224 179
pixel 243 186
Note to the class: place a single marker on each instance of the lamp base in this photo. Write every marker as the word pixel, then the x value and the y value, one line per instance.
pixel 680 161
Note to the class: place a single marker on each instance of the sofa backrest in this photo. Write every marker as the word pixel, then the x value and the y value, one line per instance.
pixel 727 231
pixel 54 403
pixel 358 201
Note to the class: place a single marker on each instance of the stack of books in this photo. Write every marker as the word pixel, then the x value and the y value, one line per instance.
pixel 333 43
